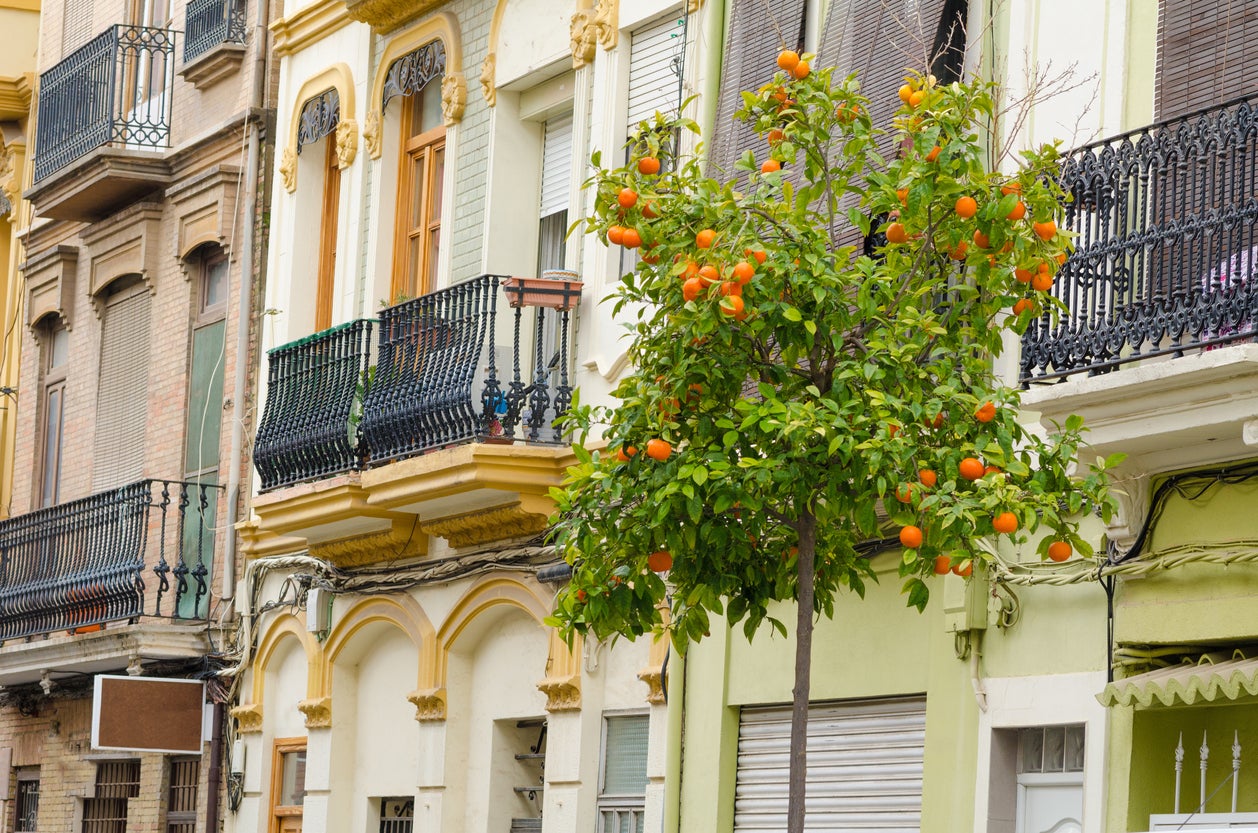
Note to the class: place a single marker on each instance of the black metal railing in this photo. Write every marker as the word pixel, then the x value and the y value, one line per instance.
pixel 210 23
pixel 315 390
pixel 1167 247
pixel 113 90
pixel 84 563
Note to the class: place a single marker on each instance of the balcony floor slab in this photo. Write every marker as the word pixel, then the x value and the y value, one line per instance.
pixel 110 649
pixel 101 181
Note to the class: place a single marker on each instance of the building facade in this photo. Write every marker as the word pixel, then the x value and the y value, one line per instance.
pixel 141 177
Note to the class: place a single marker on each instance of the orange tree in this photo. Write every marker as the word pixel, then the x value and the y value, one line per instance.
pixel 794 399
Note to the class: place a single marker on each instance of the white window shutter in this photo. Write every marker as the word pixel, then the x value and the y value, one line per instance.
pixel 655 59
pixel 122 399
pixel 556 164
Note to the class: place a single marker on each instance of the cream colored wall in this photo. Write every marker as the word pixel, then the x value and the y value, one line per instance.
pixel 21 39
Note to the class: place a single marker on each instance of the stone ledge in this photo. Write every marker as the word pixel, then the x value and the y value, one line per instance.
pixel 213 65
pixel 110 649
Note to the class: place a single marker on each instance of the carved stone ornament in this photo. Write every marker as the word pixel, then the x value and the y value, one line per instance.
pixel 430 704
pixel 453 98
pixel 606 23
pixel 693 6
pixel 654 679
pixel 486 525
pixel 562 694
pixel 371 134
pixel 10 178
pixel 583 37
pixel 487 71
pixel 288 170
pixel 1131 490
pixel 318 712
pixel 249 716
pixel 346 143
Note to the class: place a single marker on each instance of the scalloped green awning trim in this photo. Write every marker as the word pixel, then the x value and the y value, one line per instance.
pixel 1185 685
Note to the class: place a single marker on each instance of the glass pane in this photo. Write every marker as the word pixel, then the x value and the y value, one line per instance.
pixel 438 170
pixel 419 181
pixel 433 247
pixel 205 399
pixel 1074 748
pixel 551 243
pixel 416 262
pixel 59 348
pixel 216 283
pixel 1031 750
pixel 426 108
pixel 624 767
pixel 198 548
pixel 293 789
pixel 52 446
pixel 1054 748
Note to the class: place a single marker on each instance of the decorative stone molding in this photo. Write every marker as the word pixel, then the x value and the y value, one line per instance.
pixel 249 716
pixel 562 685
pixel 453 97
pixel 654 679
pixel 607 23
pixel 693 6
pixel 346 143
pixel 485 526
pixel 430 704
pixel 1131 491
pixel 318 712
pixel 562 695
pixel 50 283
pixel 387 15
pixel 584 37
pixel 487 70
pixel 372 548
pixel 288 169
pixel 11 174
pixel 371 135
pixel 308 25
pixel 205 206
pixel 128 243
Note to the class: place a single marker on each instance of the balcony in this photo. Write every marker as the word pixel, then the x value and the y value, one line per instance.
pixel 87 573
pixel 104 112
pixel 449 412
pixel 214 38
pixel 1155 348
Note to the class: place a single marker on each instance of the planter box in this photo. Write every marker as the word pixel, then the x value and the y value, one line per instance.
pixel 552 293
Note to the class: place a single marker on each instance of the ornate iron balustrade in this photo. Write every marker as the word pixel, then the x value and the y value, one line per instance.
pixel 315 389
pixel 81 564
pixel 437 377
pixel 1167 247
pixel 210 23
pixel 113 90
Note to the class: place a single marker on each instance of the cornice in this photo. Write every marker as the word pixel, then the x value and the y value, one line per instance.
pixel 313 23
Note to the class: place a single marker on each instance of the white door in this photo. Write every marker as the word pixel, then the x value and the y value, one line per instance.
pixel 1050 802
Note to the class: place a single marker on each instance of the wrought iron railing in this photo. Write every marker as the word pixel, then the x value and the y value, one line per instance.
pixel 113 90
pixel 81 564
pixel 210 23
pixel 315 390
pixel 1166 257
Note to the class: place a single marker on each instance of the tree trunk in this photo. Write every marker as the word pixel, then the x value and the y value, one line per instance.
pixel 803 673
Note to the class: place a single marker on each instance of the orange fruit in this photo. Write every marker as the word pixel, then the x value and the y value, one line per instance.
pixel 733 305
pixel 1024 305
pixel 942 565
pixel 801 70
pixel 759 254
pixel 963 572
pixel 1011 188
pixel 1042 282
pixel 906 92
pixel 1022 275
pixel 1060 257
pixel 1043 267
pixel 911 537
pixel 658 449
pixel 769 166
pixel 648 210
pixel 1046 230
pixel 709 275
pixel 966 207
pixel 986 413
pixel 937 421
pixel 692 289
pixel 581 595
pixel 933 154
pixel 624 453
pixel 616 235
pixel 958 253
pixel 1018 212
pixel 631 239
pixel 903 194
pixel 788 59
pixel 904 494
pixel 690 271
pixel 775 135
pixel 649 165
pixel 917 98
pixel 627 198
pixel 892 429
pixel 743 272
pixel 731 288
pixel 991 470
pixel 927 478
pixel 1005 523
pixel 897 234
pixel 981 240
pixel 970 468
pixel 705 238
pixel 1060 551
pixel 660 561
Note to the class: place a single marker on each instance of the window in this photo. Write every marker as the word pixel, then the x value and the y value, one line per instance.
pixel 122 395
pixel 326 276
pixel 288 785
pixel 1036 779
pixel 181 799
pixel 56 356
pixel 106 810
pixel 622 787
pixel 397 814
pixel 556 178
pixel 419 192
pixel 27 810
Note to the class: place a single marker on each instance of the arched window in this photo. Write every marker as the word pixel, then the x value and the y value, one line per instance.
pixel 317 126
pixel 416 79
pixel 55 350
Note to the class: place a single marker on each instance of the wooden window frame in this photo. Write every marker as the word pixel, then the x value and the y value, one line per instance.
pixel 281 747
pixel 326 274
pixel 54 380
pixel 413 148
pixel 209 257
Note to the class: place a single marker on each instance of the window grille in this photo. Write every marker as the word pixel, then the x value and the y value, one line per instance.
pixel 27 816
pixel 181 800
pixel 106 812
pixel 397 814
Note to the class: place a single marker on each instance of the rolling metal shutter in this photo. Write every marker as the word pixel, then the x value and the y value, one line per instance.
pixel 556 164
pixel 655 60
pixel 1207 54
pixel 122 398
pixel 864 766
